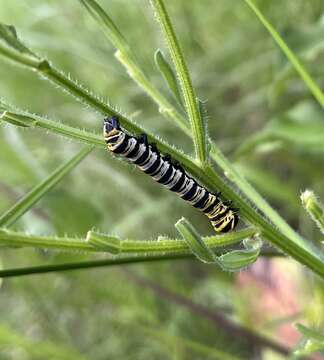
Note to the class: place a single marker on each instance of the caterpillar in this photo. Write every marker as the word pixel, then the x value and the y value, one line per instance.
pixel 147 157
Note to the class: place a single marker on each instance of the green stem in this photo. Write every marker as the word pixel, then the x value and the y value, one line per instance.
pixel 42 269
pixel 164 105
pixel 216 154
pixel 31 120
pixel 164 245
pixel 298 249
pixel 313 87
pixel 113 245
pixel 17 239
pixel 280 234
pixel 127 58
pixel 36 193
pixel 188 93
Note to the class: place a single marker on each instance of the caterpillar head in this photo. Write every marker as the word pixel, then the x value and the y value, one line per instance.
pixel 111 125
pixel 229 222
pixel 226 222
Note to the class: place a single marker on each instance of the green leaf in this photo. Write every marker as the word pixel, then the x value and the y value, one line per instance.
pixel 12 48
pixel 35 194
pixel 168 75
pixel 8 35
pixel 195 242
pixel 238 259
pixel 127 58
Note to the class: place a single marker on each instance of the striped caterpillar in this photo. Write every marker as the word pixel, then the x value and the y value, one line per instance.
pixel 146 156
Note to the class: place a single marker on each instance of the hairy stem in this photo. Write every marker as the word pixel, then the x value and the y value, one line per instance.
pixel 297 247
pixel 113 245
pixel 188 92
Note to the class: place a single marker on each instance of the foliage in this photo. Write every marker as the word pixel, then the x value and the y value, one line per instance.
pixel 263 115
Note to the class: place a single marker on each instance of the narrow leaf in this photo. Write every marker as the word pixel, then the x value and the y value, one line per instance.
pixel 195 242
pixel 35 194
pixel 12 48
pixel 238 259
pixel 8 35
pixel 313 87
pixel 127 58
pixel 187 89
pixel 314 208
pixel 168 75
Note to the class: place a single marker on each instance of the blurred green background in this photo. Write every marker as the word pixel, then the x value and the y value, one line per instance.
pixel 261 115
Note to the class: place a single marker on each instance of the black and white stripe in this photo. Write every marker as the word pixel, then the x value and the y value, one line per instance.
pixel 146 156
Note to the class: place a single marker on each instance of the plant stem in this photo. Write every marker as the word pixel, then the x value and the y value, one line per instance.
pixel 42 269
pixel 127 58
pixel 313 87
pixel 164 105
pixel 154 247
pixel 291 245
pixel 17 239
pixel 280 234
pixel 188 93
pixel 36 193
pixel 216 154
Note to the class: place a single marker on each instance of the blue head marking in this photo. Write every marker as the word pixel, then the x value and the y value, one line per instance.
pixel 111 124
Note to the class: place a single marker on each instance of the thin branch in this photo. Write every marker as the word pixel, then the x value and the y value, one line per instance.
pixel 294 246
pixel 299 67
pixel 279 234
pixel 37 192
pixel 190 100
pixel 125 260
pixel 96 242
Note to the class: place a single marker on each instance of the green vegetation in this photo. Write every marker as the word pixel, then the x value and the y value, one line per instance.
pixel 236 89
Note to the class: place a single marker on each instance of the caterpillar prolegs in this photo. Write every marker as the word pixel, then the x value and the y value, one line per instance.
pixel 147 157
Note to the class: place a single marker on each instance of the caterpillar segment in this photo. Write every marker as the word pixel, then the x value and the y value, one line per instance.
pixel 147 157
